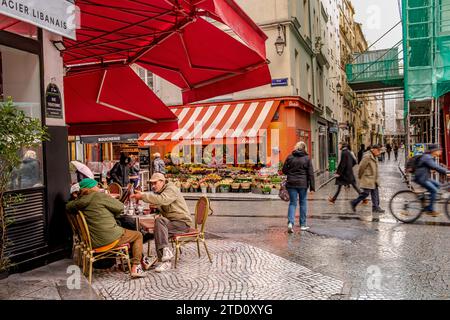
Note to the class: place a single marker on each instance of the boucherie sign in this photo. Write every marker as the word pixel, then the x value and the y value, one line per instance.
pixel 58 16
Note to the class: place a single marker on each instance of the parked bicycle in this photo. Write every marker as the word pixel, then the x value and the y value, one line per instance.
pixel 407 206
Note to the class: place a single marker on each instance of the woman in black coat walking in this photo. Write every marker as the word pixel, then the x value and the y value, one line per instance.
pixel 344 172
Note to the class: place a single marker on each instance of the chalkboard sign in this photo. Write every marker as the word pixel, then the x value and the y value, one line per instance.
pixel 53 102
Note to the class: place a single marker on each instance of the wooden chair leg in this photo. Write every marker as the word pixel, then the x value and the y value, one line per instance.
pixel 79 252
pixel 122 264
pixel 84 257
pixel 90 270
pixel 177 248
pixel 198 248
pixel 207 252
pixel 128 263
pixel 149 248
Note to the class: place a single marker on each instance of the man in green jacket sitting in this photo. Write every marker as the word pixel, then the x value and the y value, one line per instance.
pixel 101 211
pixel 175 216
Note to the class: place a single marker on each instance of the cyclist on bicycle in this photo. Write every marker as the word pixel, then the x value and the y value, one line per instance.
pixel 422 176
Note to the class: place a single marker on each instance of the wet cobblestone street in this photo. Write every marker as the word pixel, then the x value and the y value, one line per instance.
pixel 344 255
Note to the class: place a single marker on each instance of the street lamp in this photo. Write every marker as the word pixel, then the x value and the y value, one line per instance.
pixel 339 88
pixel 280 43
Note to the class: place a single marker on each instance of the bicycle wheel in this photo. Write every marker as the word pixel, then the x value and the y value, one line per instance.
pixel 406 206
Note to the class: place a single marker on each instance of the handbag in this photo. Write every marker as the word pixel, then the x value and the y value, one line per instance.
pixel 284 194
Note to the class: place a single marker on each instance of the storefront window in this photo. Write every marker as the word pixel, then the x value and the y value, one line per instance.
pixel 20 80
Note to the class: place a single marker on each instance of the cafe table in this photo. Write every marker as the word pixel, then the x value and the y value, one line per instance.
pixel 145 221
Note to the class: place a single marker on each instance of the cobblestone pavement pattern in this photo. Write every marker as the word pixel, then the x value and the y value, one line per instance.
pixel 238 271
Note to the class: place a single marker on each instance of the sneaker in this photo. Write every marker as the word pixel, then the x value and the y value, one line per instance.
pixel 432 213
pixel 147 262
pixel 290 228
pixel 164 266
pixel 378 210
pixel 353 207
pixel 137 271
pixel 331 200
pixel 304 228
pixel 167 255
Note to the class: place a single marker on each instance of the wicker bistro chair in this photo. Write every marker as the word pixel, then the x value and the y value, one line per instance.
pixel 126 193
pixel 78 245
pixel 115 188
pixel 90 255
pixel 202 210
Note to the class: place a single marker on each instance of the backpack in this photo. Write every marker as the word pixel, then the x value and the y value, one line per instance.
pixel 412 164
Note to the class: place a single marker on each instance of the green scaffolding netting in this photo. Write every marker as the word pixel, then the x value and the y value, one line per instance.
pixel 426 42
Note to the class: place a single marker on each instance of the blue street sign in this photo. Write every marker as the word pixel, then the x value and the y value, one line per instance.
pixel 280 82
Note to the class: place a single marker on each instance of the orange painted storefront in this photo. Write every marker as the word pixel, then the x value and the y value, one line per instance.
pixel 294 124
pixel 286 126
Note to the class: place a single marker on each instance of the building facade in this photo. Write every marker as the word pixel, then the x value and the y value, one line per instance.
pixel 305 75
pixel 31 73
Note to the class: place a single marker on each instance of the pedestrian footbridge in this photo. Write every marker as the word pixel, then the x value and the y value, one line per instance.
pixel 376 70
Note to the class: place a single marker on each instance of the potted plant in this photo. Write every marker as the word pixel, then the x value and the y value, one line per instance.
pixel 185 186
pixel 245 186
pixel 266 189
pixel 17 131
pixel 235 186
pixel 225 187
pixel 204 187
pixel 194 186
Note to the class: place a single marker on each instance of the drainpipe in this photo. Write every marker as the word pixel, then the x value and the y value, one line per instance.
pixel 313 64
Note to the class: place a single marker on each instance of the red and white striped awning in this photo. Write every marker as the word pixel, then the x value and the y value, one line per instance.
pixel 218 121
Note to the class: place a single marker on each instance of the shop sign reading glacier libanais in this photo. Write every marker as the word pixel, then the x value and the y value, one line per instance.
pixel 57 16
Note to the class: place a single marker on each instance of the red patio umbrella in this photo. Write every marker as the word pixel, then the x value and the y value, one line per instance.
pixel 175 39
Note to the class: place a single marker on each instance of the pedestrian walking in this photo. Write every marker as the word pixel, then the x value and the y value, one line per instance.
pixel 388 150
pixel 369 179
pixel 300 176
pixel 120 172
pixel 396 151
pixel 344 172
pixel 158 165
pixel 383 153
pixel 361 151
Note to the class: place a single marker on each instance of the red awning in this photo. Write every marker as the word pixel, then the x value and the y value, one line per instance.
pixel 238 120
pixel 113 100
pixel 16 26
pixel 175 40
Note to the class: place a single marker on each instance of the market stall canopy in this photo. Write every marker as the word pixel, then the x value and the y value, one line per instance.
pixel 237 120
pixel 176 40
pixel 113 100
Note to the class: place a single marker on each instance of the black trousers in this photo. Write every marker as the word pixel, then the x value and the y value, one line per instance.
pixel 353 184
